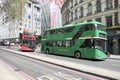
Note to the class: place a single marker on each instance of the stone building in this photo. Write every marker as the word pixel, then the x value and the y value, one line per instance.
pixel 105 11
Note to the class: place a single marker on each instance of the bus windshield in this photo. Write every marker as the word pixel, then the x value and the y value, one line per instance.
pixel 29 33
pixel 100 44
pixel 29 43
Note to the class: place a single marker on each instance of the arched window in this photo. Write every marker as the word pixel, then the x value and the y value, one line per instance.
pixel 89 9
pixel 98 6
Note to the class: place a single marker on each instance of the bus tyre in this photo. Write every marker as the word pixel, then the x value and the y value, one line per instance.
pixel 47 51
pixel 77 54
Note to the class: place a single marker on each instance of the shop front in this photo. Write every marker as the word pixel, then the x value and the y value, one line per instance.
pixel 113 43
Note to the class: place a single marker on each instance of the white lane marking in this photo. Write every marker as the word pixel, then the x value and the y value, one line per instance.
pixel 55 77
pixel 67 76
pixel 115 65
pixel 45 76
pixel 64 74
pixel 60 74
pixel 77 79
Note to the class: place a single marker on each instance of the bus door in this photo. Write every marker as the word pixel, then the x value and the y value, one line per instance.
pixel 88 46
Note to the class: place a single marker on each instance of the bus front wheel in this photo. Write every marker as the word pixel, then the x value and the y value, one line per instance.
pixel 47 51
pixel 77 54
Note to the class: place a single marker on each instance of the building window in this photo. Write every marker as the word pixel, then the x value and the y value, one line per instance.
pixel 81 11
pixel 29 5
pixel 67 19
pixel 109 21
pixel 75 2
pixel 89 9
pixel 109 4
pixel 81 1
pixel 98 19
pixel 71 4
pixel 71 16
pixel 76 14
pixel 29 17
pixel 89 20
pixel 98 6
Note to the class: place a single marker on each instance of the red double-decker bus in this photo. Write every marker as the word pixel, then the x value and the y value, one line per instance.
pixel 28 40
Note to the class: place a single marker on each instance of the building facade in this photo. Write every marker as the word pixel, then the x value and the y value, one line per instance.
pixel 30 20
pixel 51 15
pixel 105 11
pixel 37 15
pixel 31 17
pixel 7 31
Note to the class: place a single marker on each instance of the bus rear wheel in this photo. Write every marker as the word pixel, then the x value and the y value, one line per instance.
pixel 77 54
pixel 47 51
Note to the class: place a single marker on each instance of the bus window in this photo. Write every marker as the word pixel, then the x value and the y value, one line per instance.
pixel 100 27
pixel 53 32
pixel 60 43
pixel 63 43
pixel 54 43
pixel 67 43
pixel 88 43
pixel 100 44
pixel 47 43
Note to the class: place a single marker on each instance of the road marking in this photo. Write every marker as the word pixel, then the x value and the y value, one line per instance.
pixel 55 78
pixel 59 74
pixel 77 79
pixel 67 76
pixel 63 74
pixel 115 65
pixel 46 77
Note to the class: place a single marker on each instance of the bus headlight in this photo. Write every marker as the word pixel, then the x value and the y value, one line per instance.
pixel 98 55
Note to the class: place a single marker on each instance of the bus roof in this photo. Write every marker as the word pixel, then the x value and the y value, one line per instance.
pixel 71 25
pixel 95 22
pixel 27 30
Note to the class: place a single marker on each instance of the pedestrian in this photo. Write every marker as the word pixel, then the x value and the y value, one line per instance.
pixel 9 45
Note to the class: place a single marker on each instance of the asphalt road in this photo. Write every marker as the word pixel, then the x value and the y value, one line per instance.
pixel 39 70
pixel 110 64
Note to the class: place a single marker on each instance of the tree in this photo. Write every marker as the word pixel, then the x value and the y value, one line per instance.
pixel 14 9
pixel 14 12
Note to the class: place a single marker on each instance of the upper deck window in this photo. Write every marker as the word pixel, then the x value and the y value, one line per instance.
pixel 94 27
pixel 29 33
pixel 59 31
pixel 99 26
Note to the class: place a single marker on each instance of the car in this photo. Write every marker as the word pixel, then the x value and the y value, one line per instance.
pixel 6 43
pixel 12 44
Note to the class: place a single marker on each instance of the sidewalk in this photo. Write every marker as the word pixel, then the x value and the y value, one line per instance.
pixel 7 73
pixel 117 57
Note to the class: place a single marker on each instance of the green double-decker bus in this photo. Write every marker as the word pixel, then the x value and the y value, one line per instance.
pixel 84 40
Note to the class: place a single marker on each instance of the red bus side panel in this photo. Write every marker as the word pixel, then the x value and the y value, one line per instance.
pixel 24 48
